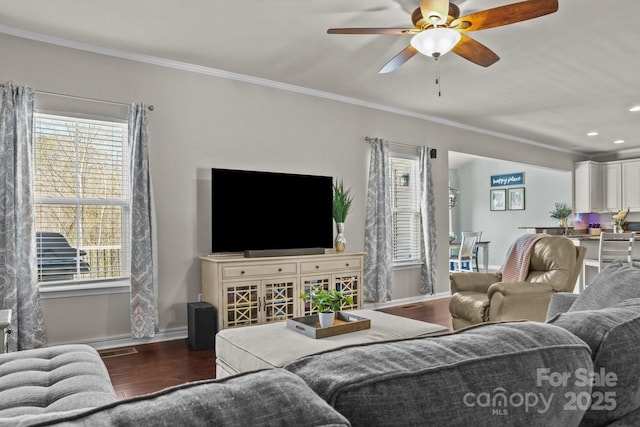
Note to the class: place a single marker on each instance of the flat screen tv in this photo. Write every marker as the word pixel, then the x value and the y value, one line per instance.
pixel 268 213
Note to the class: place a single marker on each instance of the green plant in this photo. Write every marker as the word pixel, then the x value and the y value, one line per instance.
pixel 561 211
pixel 618 218
pixel 325 301
pixel 342 201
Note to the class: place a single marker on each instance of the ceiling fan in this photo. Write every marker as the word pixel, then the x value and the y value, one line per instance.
pixel 439 29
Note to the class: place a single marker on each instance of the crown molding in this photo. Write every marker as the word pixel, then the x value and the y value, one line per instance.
pixel 209 71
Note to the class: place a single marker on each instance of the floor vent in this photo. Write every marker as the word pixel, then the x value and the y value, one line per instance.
pixel 125 351
pixel 410 306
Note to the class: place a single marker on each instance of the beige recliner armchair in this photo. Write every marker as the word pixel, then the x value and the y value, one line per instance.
pixel 554 266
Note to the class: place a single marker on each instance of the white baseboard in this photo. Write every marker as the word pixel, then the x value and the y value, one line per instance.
pixel 405 301
pixel 127 340
pixel 182 333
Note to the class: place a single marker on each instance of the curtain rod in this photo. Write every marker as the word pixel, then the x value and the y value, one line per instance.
pixel 103 101
pixel 432 151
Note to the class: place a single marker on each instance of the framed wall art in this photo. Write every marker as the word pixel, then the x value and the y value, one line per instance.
pixel 515 198
pixel 497 200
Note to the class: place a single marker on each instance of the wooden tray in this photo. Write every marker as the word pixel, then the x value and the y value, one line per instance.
pixel 343 324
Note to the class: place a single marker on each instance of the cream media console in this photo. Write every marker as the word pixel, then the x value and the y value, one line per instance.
pixel 253 291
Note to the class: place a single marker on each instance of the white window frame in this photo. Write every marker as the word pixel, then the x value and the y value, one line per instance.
pixel 415 254
pixel 120 284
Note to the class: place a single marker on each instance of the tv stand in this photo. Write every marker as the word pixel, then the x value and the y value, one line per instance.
pixel 252 291
pixel 258 253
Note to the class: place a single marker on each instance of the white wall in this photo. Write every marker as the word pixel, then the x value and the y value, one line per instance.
pixel 202 121
pixel 543 187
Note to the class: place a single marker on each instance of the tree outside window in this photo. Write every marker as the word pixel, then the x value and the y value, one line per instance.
pixel 82 199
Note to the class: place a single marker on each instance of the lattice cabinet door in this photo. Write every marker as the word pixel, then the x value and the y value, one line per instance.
pixel 278 299
pixel 349 285
pixel 309 285
pixel 241 304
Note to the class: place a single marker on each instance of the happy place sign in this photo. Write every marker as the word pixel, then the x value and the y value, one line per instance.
pixel 508 179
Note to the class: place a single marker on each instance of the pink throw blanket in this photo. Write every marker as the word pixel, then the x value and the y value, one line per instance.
pixel 516 266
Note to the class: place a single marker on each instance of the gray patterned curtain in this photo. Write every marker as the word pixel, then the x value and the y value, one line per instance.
pixel 427 224
pixel 18 270
pixel 144 284
pixel 378 262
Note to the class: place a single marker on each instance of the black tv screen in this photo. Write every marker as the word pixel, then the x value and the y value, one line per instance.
pixel 266 210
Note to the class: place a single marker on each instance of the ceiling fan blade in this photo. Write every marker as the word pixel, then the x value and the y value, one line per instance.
pixel 397 31
pixel 405 55
pixel 437 9
pixel 505 15
pixel 475 51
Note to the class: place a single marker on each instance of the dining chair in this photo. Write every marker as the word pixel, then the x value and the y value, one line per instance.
pixel 475 251
pixel 613 247
pixel 463 260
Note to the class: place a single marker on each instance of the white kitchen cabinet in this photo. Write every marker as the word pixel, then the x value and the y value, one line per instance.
pixel 588 184
pixel 631 185
pixel 612 172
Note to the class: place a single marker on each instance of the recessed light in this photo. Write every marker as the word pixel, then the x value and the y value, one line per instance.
pixel 592 133
pixel 619 141
pixel 634 108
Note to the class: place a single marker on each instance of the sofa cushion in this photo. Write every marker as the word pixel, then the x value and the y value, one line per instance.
pixel 52 380
pixel 613 334
pixel 494 374
pixel 272 397
pixel 615 283
pixel 631 419
pixel 560 302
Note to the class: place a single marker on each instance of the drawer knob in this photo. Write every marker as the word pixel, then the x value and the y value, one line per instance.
pixel 317 267
pixel 347 264
pixel 242 272
pixel 279 270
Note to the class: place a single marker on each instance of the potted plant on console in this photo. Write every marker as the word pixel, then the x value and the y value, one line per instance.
pixel 342 201
pixel 327 304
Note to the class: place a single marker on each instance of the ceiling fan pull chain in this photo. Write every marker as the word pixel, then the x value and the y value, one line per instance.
pixel 438 78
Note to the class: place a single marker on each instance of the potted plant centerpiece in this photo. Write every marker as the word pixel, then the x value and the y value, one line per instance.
pixel 327 304
pixel 561 213
pixel 342 201
pixel 618 222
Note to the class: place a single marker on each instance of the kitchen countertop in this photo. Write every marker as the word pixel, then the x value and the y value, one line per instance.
pixel 552 227
pixel 584 236
pixel 573 234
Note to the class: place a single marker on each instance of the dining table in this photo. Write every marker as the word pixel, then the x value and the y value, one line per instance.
pixel 484 245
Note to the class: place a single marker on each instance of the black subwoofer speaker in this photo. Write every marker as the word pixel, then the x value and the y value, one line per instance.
pixel 203 325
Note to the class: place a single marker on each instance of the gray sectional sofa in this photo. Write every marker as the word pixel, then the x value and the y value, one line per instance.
pixel 578 368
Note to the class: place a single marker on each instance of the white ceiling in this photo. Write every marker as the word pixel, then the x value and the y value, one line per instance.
pixel 559 76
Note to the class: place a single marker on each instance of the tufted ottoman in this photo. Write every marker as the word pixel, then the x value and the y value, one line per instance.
pixel 36 385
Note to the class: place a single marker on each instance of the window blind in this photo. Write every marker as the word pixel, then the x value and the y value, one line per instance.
pixel 405 209
pixel 81 198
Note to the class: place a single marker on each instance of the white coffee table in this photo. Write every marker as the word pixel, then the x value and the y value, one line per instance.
pixel 274 345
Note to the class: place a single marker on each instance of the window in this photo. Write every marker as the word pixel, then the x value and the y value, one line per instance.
pixel 81 199
pixel 405 209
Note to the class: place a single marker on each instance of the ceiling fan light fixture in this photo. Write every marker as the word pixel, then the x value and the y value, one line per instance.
pixel 435 42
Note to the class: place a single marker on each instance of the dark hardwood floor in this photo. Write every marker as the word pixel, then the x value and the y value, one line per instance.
pixel 146 368
pixel 433 311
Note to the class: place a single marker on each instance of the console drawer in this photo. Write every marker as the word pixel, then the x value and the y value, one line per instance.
pixel 330 265
pixel 279 269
